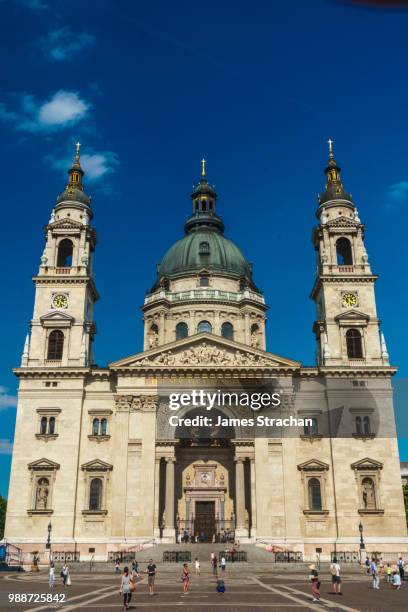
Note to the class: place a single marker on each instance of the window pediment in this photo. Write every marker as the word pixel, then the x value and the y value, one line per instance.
pixel 96 465
pixel 43 464
pixel 57 318
pixel 352 315
pixel 367 464
pixel 313 465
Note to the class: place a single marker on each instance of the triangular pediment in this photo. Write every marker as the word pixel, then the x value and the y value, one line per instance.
pixel 205 349
pixel 367 464
pixel 43 464
pixel 66 224
pixel 313 465
pixel 96 465
pixel 57 315
pixel 343 221
pixel 352 315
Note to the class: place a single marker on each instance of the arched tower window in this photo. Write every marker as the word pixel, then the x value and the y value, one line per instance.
pixel 343 250
pixel 255 335
pixel 227 330
pixel 95 494
pixel 315 495
pixel 65 251
pixel 181 330
pixel 204 326
pixel 95 427
pixel 354 344
pixel 51 425
pixel 103 427
pixel 313 429
pixel 43 425
pixel 55 345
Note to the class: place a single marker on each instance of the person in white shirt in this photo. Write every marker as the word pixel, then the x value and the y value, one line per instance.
pixel 336 578
pixel 197 566
pixel 396 581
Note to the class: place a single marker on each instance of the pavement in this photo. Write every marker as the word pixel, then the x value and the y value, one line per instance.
pixel 249 587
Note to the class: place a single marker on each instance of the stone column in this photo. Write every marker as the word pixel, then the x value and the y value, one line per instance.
pixel 169 531
pixel 253 499
pixel 161 328
pixel 156 526
pixel 247 329
pixel 240 530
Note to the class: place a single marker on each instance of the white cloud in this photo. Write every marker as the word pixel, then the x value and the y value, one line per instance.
pixel 397 195
pixel 6 400
pixel 6 447
pixel 63 109
pixel 95 164
pixel 34 5
pixel 62 44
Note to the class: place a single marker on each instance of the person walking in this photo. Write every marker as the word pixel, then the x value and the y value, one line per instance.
pixel 117 566
pixel 367 564
pixel 197 566
pixel 65 574
pixel 51 575
pixel 151 576
pixel 336 578
pixel 126 587
pixel 223 563
pixel 135 569
pixel 401 566
pixel 185 578
pixel 315 582
pixel 214 563
pixel 374 574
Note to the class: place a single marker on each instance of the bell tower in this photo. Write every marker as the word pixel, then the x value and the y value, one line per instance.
pixel 347 328
pixel 62 328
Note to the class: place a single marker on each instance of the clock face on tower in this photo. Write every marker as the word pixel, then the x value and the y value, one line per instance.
pixel 60 300
pixel 349 300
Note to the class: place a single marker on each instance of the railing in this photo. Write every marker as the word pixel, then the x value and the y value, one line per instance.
pixel 345 556
pixel 63 270
pixel 234 556
pixel 356 362
pixel 289 556
pixel 72 556
pixel 204 294
pixel 177 556
pixel 346 269
pixel 53 362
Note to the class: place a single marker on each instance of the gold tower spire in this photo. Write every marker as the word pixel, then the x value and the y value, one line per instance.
pixel 330 142
pixel 77 148
pixel 203 162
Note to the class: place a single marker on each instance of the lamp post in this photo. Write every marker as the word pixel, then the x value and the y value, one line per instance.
pixel 362 545
pixel 48 543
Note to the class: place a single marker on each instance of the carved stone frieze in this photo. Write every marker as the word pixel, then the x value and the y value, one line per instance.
pixel 207 354
pixel 145 403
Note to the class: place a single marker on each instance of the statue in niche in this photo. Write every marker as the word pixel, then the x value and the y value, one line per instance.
pixel 41 502
pixel 368 494
pixel 254 338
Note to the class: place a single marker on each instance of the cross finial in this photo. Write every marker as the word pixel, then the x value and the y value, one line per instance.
pixel 330 143
pixel 203 162
pixel 77 146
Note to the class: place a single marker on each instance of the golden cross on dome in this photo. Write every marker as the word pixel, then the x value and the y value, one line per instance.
pixel 330 143
pixel 203 162
pixel 77 146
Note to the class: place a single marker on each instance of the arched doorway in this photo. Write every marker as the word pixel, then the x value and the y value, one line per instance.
pixel 205 482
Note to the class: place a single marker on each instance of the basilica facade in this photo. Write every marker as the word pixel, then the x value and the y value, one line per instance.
pixel 95 454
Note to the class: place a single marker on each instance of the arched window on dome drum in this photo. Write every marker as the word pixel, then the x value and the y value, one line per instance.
pixel 315 495
pixel 354 344
pixel 43 425
pixel 343 250
pixel 181 330
pixel 95 494
pixel 95 427
pixel 204 326
pixel 103 427
pixel 204 281
pixel 227 330
pixel 51 425
pixel 55 345
pixel 65 251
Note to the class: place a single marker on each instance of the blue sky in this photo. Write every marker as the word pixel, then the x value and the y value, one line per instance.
pixel 149 88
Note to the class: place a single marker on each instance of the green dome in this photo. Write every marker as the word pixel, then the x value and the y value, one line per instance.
pixel 207 249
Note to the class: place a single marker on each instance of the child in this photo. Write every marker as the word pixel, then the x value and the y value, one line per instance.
pixel 197 566
pixel 185 578
pixel 389 573
pixel 220 586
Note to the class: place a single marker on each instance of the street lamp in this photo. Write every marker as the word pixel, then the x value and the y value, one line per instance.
pixel 362 545
pixel 48 544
